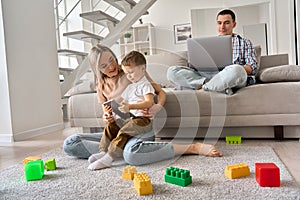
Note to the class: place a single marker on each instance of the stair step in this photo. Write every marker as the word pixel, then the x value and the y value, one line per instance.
pixel 120 3
pixel 63 69
pixel 68 52
pixel 131 2
pixel 99 17
pixel 83 36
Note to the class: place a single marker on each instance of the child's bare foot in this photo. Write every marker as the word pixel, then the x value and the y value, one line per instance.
pixel 207 150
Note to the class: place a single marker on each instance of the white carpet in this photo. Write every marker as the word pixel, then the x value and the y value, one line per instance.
pixel 72 179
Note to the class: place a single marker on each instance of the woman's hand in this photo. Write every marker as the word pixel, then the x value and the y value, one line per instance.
pixel 151 112
pixel 107 114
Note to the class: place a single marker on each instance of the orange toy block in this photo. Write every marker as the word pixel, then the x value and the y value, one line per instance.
pixel 142 184
pixel 30 158
pixel 128 172
pixel 237 170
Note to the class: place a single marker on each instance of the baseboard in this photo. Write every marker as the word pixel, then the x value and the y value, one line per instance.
pixel 37 132
pixel 7 138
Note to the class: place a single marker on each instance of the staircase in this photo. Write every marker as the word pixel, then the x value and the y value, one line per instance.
pixel 111 24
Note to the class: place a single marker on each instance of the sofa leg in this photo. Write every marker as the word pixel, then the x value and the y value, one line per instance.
pixel 278 133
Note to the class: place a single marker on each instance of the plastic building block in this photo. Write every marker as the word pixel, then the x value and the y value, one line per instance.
pixel 233 139
pixel 30 158
pixel 34 170
pixel 178 176
pixel 50 164
pixel 128 172
pixel 142 184
pixel 267 174
pixel 237 170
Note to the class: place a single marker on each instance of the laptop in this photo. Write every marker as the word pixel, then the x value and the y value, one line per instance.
pixel 210 53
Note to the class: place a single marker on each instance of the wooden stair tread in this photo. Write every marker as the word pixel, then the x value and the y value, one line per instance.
pixel 99 17
pixel 83 35
pixel 68 52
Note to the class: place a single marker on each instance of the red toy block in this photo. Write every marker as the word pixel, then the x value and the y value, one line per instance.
pixel 267 174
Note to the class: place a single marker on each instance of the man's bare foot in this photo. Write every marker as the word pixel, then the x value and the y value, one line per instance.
pixel 206 150
pixel 200 90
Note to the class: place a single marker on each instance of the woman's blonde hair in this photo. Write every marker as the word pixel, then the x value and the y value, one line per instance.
pixel 94 57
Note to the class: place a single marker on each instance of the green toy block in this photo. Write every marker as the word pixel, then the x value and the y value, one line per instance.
pixel 34 170
pixel 233 139
pixel 50 164
pixel 178 176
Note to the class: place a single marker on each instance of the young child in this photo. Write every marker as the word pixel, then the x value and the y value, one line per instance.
pixel 136 97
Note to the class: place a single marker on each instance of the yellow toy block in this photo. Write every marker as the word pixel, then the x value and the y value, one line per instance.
pixel 142 184
pixel 128 172
pixel 237 170
pixel 30 158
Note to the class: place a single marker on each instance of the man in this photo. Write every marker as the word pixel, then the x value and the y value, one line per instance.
pixel 237 75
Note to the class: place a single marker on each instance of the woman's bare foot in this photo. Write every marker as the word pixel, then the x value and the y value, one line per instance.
pixel 206 150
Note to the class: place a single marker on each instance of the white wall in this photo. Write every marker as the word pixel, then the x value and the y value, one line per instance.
pixel 284 28
pixel 165 13
pixel 33 94
pixel 5 114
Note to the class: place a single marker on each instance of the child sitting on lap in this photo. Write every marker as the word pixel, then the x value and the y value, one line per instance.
pixel 136 97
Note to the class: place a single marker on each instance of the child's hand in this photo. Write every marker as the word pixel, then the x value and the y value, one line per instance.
pixel 124 106
pixel 151 112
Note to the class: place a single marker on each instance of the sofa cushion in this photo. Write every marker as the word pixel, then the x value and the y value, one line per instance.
pixel 252 100
pixel 158 64
pixel 280 73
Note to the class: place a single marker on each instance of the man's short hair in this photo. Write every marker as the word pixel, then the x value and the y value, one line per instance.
pixel 227 12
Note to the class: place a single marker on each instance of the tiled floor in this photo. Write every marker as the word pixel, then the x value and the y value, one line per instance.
pixel 13 153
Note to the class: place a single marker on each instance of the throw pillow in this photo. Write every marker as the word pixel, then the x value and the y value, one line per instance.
pixel 280 73
pixel 86 86
pixel 158 64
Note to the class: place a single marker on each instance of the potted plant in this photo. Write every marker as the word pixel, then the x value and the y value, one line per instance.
pixel 127 36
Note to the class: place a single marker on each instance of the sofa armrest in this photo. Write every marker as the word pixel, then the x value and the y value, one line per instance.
pixel 273 60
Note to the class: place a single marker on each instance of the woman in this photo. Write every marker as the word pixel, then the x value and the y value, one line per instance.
pixel 110 82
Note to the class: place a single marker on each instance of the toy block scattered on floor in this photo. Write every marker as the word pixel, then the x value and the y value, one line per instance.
pixel 237 170
pixel 50 164
pixel 142 184
pixel 178 176
pixel 30 158
pixel 234 139
pixel 128 172
pixel 267 174
pixel 34 170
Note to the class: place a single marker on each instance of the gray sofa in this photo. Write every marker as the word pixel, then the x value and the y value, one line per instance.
pixel 269 109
